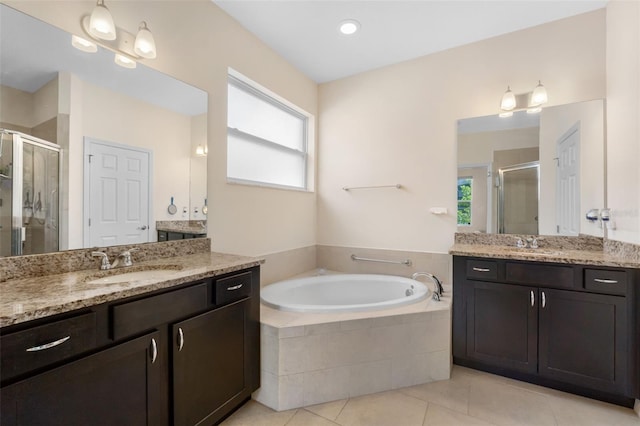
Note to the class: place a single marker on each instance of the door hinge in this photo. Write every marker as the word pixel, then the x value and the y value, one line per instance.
pixel 89 221
pixel 557 229
pixel 90 156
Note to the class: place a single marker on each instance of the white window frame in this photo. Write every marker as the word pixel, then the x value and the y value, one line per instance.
pixel 243 83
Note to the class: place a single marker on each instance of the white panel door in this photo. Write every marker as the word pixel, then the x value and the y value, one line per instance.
pixel 568 183
pixel 117 200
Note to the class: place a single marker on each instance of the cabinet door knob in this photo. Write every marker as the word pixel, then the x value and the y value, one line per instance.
pixel 180 339
pixel 154 350
pixel 544 300
pixel 533 299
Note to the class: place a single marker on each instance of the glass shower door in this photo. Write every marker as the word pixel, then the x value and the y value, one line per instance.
pixel 6 193
pixel 29 195
pixel 518 197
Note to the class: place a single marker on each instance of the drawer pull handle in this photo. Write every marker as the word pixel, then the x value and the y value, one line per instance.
pixel 48 345
pixel 180 339
pixel 533 299
pixel 154 351
pixel 544 300
pixel 482 269
pixel 235 287
pixel 603 281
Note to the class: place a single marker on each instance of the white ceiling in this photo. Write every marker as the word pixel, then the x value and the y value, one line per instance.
pixel 305 31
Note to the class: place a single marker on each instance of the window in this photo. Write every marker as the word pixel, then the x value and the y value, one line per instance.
pixel 464 201
pixel 266 139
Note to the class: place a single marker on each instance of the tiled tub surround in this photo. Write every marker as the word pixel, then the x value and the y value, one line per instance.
pixel 314 358
pixel 30 298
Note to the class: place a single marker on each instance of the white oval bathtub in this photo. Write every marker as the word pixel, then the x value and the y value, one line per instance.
pixel 343 293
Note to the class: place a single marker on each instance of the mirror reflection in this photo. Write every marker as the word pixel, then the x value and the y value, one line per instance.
pixel 532 173
pixel 92 154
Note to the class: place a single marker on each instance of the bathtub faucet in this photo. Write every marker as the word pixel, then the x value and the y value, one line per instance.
pixel 438 290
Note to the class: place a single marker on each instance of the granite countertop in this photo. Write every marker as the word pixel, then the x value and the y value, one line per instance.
pixel 38 297
pixel 550 255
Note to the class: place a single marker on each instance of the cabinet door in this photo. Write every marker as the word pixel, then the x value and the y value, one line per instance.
pixel 583 339
pixel 209 368
pixel 117 386
pixel 502 323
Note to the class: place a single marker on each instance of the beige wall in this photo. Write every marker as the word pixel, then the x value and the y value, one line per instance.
pixel 476 148
pixel 197 43
pixel 623 118
pixel 16 107
pixel 198 173
pixel 397 124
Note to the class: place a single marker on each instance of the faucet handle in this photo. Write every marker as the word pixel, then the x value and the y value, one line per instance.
pixel 534 243
pixel 520 243
pixel 104 264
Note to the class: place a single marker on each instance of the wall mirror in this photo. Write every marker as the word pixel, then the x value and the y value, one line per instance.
pixel 535 174
pixel 137 123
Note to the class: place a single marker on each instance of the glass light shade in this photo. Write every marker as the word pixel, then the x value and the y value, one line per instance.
pixel 145 45
pixel 84 45
pixel 539 95
pixel 125 62
pixel 101 23
pixel 508 100
pixel 200 151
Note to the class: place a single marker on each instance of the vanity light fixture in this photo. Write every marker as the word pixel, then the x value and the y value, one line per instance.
pixel 83 44
pixel 99 26
pixel 539 95
pixel 349 26
pixel 508 100
pixel 531 102
pixel 101 23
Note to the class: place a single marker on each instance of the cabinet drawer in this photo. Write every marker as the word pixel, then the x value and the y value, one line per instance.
pixel 232 288
pixel 39 346
pixel 604 281
pixel 547 275
pixel 144 314
pixel 482 269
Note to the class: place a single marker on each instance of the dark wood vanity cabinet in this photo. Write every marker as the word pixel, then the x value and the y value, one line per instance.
pixel 182 356
pixel 571 327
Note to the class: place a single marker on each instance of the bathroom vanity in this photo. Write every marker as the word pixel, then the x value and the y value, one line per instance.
pixel 549 318
pixel 181 350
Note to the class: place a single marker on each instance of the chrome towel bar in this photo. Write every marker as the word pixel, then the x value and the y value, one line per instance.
pixel 406 262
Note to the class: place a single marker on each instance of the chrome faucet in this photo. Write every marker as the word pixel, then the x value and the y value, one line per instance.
pixel 104 265
pixel 438 290
pixel 126 258
pixel 527 243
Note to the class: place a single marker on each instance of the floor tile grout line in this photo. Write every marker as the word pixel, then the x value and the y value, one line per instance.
pixel 426 411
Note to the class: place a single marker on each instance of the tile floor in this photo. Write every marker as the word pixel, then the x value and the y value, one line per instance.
pixel 470 398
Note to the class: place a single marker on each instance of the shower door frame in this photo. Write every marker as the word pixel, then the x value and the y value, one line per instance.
pixel 515 167
pixel 18 140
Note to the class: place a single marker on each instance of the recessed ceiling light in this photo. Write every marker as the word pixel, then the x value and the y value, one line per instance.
pixel 349 26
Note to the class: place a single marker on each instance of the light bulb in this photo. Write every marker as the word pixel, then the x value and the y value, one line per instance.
pixel 200 152
pixel 101 22
pixel 508 100
pixel 145 45
pixel 124 61
pixel 84 45
pixel 349 26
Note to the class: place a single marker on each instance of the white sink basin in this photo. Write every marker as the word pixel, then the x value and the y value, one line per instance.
pixel 151 274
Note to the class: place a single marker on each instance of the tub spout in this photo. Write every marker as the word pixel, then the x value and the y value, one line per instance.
pixel 438 290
